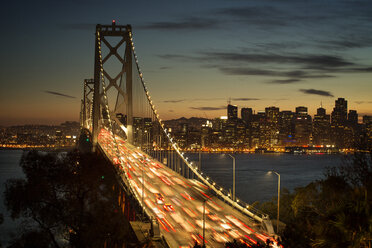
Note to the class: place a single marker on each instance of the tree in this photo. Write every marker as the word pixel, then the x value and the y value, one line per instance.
pixel 68 199
pixel 333 212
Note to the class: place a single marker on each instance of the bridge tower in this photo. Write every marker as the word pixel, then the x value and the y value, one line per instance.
pixel 86 104
pixel 120 83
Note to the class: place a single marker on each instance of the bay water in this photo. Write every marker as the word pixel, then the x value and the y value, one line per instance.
pixel 253 180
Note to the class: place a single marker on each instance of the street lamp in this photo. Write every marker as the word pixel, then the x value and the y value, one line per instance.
pixel 233 176
pixel 143 191
pixel 277 220
pixel 204 223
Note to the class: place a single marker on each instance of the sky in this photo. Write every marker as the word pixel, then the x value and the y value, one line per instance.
pixel 195 56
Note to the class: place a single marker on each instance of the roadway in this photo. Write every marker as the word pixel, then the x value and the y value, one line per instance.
pixel 178 203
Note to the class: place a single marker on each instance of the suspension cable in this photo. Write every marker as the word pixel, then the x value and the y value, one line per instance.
pixel 244 207
pixel 111 130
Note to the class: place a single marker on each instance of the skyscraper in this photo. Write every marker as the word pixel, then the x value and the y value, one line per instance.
pixel 232 112
pixel 352 117
pixel 246 114
pixel 286 127
pixel 301 110
pixel 232 121
pixel 321 127
pixel 339 113
pixel 303 126
pixel 272 119
pixel 339 123
pixel 367 126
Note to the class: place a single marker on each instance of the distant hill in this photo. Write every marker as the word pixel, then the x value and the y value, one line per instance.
pixel 193 123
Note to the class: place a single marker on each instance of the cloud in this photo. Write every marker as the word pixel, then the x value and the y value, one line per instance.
pixel 186 24
pixel 58 94
pixel 78 26
pixel 177 57
pixel 316 92
pixel 275 46
pixel 300 65
pixel 192 100
pixel 260 72
pixel 296 14
pixel 284 81
pixel 257 15
pixel 208 108
pixel 305 60
pixel 362 102
pixel 245 99
pixel 346 43
pixel 207 99
pixel 174 101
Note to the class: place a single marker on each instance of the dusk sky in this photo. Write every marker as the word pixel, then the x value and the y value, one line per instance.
pixel 195 55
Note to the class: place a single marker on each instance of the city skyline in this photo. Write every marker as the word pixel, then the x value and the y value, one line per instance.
pixel 225 114
pixel 195 57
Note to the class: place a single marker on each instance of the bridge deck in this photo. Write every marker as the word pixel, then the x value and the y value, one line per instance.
pixel 178 203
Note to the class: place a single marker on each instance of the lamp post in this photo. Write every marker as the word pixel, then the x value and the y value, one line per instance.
pixel 200 160
pixel 143 191
pixel 204 223
pixel 233 176
pixel 277 220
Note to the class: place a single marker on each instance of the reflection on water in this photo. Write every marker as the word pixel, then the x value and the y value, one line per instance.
pixel 254 183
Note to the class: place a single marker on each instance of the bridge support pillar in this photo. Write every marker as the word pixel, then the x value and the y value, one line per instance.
pixel 96 92
pixel 114 82
pixel 129 86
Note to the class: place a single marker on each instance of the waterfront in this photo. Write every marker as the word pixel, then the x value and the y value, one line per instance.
pixel 253 183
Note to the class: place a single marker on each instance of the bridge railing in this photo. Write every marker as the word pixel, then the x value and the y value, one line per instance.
pixel 219 191
pixel 127 184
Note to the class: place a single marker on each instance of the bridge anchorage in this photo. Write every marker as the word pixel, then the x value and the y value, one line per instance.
pixel 183 205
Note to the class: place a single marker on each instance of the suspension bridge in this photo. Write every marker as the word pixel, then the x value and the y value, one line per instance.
pixel 182 204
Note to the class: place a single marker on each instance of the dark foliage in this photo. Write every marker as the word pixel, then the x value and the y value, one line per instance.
pixel 333 212
pixel 68 200
pixel 237 244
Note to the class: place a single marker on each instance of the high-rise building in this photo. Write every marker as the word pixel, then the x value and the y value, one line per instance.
pixel 241 137
pixel 321 127
pixel 137 131
pixel 303 126
pixel 301 110
pixel 339 126
pixel 272 118
pixel 247 118
pixel 232 112
pixel 232 121
pixel 246 114
pixel 272 114
pixel 354 128
pixel 367 119
pixel 367 127
pixel 286 128
pixel 148 133
pixel 256 138
pixel 352 117
pixel 219 130
pixel 182 135
pixel 205 137
pixel 321 111
pixel 339 113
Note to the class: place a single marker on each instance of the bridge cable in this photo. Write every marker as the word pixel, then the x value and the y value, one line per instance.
pixel 243 207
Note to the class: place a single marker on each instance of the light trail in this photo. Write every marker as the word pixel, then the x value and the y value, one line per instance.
pixel 181 219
